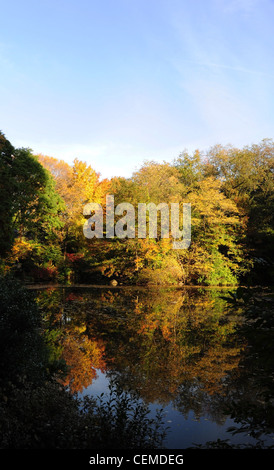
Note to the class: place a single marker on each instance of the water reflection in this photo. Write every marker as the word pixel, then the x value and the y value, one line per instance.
pixel 181 349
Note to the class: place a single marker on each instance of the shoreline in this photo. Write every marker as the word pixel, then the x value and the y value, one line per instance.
pixel 135 286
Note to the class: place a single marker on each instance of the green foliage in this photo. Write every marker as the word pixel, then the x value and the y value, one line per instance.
pixel 190 168
pixel 50 206
pixel 30 212
pixel 6 196
pixel 221 273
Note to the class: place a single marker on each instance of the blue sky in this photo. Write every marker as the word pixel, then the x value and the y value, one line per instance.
pixel 116 82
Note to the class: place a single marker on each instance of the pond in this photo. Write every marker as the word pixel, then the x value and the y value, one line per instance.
pixel 208 367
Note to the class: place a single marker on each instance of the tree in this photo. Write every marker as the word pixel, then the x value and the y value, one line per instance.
pixel 242 170
pixel 158 182
pixel 190 168
pixel 77 185
pixel 29 203
pixel 247 178
pixel 6 195
pixel 215 254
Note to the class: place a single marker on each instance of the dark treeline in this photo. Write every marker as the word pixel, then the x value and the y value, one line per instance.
pixel 231 195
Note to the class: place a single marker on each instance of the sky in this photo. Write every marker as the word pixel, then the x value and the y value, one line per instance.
pixel 118 82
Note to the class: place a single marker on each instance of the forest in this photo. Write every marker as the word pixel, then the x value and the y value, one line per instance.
pixel 163 344
pixel 230 190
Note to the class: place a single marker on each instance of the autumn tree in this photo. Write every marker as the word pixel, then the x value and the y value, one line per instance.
pixel 78 185
pixel 215 254
pixel 150 259
pixel 159 182
pixel 247 178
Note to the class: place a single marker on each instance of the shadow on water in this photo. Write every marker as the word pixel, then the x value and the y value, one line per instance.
pixel 203 356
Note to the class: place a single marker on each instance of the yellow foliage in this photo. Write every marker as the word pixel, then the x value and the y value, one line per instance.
pixel 77 185
pixel 20 250
pixel 212 205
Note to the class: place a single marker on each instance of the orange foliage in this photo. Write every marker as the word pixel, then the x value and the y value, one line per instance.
pixel 83 356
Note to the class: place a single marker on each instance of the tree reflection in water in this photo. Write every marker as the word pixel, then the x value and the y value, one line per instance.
pixel 191 347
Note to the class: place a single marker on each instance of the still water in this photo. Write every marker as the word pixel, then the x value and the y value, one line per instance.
pixel 207 366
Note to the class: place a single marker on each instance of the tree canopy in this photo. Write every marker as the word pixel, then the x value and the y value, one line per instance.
pixel 230 190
